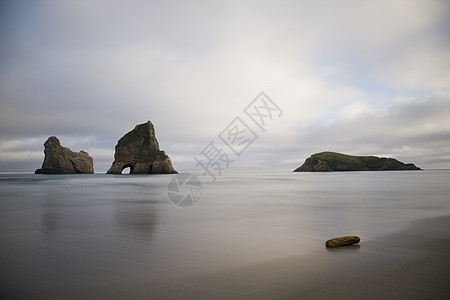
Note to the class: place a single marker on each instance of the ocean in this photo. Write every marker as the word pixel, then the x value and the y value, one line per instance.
pixel 62 234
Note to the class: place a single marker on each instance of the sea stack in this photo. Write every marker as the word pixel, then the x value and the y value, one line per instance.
pixel 139 150
pixel 332 161
pixel 62 160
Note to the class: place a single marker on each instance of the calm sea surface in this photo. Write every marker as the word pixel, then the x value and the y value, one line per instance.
pixel 75 230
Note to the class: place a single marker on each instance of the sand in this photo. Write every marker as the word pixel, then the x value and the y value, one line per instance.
pixel 413 264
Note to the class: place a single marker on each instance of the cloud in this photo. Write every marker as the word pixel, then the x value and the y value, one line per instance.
pixel 411 129
pixel 89 72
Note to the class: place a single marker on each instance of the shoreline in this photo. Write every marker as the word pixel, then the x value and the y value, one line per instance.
pixel 411 264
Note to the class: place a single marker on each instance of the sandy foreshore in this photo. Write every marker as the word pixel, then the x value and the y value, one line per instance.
pixel 412 264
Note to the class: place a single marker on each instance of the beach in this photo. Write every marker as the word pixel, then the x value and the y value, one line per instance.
pixel 251 236
pixel 413 264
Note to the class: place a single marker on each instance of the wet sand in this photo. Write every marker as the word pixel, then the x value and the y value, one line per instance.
pixel 413 264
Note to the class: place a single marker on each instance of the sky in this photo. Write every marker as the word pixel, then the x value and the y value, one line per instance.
pixel 356 77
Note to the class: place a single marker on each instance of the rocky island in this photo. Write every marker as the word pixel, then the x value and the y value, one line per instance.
pixel 332 161
pixel 62 160
pixel 139 150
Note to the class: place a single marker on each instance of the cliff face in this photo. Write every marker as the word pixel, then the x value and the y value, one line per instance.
pixel 139 150
pixel 62 160
pixel 332 161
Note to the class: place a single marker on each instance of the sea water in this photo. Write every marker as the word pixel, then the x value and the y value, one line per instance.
pixel 72 231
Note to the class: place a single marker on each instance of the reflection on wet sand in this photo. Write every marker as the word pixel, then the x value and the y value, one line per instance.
pixel 137 219
pixel 51 217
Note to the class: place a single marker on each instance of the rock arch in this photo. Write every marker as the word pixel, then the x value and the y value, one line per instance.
pixel 127 166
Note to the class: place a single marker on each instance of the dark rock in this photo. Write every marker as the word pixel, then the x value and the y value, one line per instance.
pixel 332 161
pixel 342 241
pixel 139 150
pixel 62 160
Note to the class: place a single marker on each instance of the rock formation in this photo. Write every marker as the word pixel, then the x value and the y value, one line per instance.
pixel 139 150
pixel 332 161
pixel 342 241
pixel 62 160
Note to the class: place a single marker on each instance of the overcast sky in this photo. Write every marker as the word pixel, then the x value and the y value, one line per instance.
pixel 357 77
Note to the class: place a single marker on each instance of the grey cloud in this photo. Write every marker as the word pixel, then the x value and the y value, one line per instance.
pixel 88 72
pixel 411 129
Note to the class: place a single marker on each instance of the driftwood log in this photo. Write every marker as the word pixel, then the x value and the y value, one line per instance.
pixel 342 241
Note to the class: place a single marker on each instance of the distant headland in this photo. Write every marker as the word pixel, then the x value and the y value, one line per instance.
pixel 332 161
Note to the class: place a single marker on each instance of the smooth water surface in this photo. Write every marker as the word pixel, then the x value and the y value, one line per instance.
pixel 77 230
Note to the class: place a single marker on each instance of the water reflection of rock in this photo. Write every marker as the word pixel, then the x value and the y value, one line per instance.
pixel 50 217
pixel 136 219
pixel 49 222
